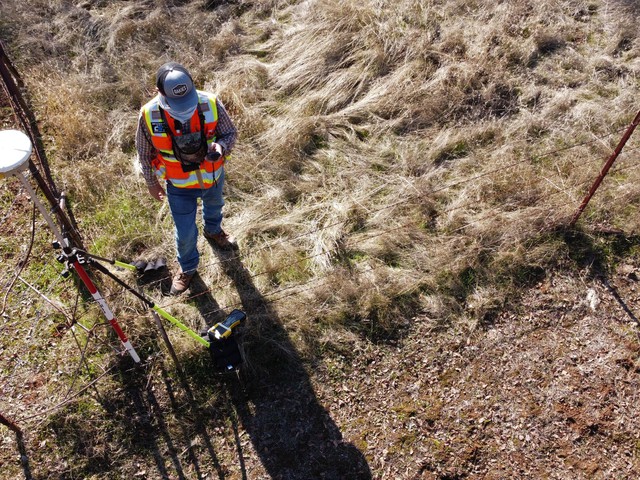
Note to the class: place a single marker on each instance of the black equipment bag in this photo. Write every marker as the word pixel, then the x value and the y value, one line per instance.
pixel 191 148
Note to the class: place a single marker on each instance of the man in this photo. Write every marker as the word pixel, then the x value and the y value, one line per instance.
pixel 183 137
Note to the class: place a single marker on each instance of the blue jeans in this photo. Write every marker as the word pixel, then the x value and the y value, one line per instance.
pixel 183 203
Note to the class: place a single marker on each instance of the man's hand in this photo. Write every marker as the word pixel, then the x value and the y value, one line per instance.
pixel 215 151
pixel 157 192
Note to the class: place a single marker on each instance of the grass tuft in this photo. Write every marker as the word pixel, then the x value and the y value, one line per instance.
pixel 396 160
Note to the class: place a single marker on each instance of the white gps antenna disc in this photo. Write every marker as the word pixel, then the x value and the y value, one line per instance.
pixel 15 150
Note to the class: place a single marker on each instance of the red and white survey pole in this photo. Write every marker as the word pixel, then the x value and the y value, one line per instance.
pixel 15 150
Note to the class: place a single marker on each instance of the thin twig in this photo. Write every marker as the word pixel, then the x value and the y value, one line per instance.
pixel 50 302
pixel 69 400
pixel 23 263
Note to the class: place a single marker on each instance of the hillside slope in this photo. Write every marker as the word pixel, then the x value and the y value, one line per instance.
pixel 417 305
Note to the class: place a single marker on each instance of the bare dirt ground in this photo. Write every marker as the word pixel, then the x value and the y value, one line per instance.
pixel 547 393
pixel 547 389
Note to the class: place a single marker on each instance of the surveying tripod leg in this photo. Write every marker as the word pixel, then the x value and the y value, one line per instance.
pixel 81 271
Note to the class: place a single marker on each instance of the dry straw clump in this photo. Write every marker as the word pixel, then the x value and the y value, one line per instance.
pixel 395 157
pixel 391 132
pixel 469 108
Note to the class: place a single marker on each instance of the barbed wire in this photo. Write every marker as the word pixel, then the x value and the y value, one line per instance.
pixel 280 293
pixel 403 201
pixel 112 355
pixel 274 299
pixel 299 288
pixel 23 262
pixel 69 399
pixel 382 208
pixel 16 197
pixel 371 212
pixel 492 213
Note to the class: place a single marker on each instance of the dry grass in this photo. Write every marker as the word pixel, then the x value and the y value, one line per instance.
pixel 395 158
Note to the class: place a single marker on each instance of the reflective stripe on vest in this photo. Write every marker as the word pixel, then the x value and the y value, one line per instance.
pixel 166 165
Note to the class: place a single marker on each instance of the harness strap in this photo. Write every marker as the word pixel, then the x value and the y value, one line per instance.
pixel 186 167
pixel 200 179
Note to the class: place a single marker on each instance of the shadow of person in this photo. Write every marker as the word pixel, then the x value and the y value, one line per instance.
pixel 291 432
pixel 208 410
pixel 205 303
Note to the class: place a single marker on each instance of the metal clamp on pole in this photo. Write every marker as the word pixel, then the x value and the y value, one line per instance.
pixel 223 346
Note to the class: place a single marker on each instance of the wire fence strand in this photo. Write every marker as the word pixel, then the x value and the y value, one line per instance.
pixel 404 201
pixel 299 288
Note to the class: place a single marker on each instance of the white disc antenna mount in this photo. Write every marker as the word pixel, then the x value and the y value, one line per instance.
pixel 15 150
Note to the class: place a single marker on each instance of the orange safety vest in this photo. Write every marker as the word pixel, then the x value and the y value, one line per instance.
pixel 167 166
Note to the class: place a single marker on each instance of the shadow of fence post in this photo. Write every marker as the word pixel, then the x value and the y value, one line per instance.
pixel 24 459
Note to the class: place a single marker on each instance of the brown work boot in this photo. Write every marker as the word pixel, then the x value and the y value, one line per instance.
pixel 181 282
pixel 222 240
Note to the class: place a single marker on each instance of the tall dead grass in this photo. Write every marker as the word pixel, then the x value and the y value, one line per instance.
pixel 395 158
pixel 394 152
